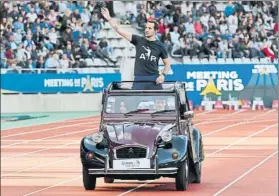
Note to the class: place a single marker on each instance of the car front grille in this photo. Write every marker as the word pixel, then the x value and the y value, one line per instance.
pixel 131 152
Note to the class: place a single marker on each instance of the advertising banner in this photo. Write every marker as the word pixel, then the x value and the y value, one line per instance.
pixel 56 83
pixel 215 81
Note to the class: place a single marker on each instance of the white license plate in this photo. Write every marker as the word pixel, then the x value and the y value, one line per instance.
pixel 131 163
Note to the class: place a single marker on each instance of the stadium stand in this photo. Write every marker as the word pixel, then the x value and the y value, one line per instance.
pixel 72 34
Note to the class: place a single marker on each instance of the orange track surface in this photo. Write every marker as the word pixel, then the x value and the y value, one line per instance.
pixel 241 158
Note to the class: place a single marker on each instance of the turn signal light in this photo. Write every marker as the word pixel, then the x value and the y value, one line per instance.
pixel 175 155
pixel 90 155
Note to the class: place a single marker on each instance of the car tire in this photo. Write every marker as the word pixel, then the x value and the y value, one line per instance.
pixel 89 181
pixel 198 171
pixel 108 180
pixel 182 177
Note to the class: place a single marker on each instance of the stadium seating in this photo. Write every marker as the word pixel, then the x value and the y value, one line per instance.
pixel 123 49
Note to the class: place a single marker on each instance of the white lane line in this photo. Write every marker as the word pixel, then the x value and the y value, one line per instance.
pixel 48 129
pixel 215 121
pixel 210 155
pixel 54 128
pixel 245 174
pixel 131 190
pixel 206 121
pixel 92 122
pixel 24 142
pixel 231 114
pixel 49 187
pixel 44 140
pixel 222 116
pixel 230 126
pixel 41 150
pixel 50 137
pixel 242 139
pixel 228 120
pixel 39 166
pixel 123 192
pixel 142 185
pixel 224 128
pixel 233 157
pixel 263 114
pixel 203 113
pixel 5 158
pixel 239 123
pixel 83 119
pixel 52 122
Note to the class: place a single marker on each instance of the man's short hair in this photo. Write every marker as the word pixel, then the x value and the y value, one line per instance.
pixel 156 25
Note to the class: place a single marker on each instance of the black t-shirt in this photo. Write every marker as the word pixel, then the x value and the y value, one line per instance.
pixel 148 54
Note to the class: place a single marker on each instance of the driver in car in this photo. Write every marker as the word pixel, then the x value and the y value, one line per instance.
pixel 122 108
pixel 160 104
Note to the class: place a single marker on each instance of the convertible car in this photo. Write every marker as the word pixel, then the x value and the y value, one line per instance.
pixel 143 135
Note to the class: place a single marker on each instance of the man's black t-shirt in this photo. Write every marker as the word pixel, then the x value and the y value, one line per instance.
pixel 148 54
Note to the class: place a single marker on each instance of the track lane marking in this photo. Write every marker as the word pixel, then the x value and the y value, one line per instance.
pixel 41 150
pixel 210 155
pixel 245 174
pixel 72 180
pixel 142 185
pixel 48 129
pixel 236 124
pixel 39 166
pixel 242 139
pixel 49 187
pixel 52 122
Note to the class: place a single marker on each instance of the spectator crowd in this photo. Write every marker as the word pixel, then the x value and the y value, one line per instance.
pixel 52 34
pixel 229 29
pixel 57 34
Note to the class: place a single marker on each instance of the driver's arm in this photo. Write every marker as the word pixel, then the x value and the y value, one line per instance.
pixel 115 26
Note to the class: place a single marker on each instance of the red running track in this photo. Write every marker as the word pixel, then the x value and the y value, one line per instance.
pixel 241 158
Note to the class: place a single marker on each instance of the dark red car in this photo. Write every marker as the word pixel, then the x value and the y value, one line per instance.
pixel 143 135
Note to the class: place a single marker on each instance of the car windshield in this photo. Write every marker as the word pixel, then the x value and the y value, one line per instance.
pixel 135 104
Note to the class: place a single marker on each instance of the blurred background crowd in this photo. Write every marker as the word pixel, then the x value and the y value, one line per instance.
pixel 57 34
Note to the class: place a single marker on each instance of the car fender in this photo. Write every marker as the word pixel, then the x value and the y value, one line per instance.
pixel 179 145
pixel 87 145
pixel 198 145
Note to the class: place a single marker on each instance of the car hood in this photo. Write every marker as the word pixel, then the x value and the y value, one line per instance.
pixel 135 133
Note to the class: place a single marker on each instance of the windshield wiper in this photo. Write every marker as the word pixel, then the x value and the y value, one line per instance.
pixel 136 111
pixel 162 111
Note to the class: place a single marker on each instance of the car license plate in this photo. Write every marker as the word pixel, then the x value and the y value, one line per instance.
pixel 131 163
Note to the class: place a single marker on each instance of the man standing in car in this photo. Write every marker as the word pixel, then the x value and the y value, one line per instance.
pixel 148 52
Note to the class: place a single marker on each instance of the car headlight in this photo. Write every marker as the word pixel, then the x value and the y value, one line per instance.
pixel 166 136
pixel 97 137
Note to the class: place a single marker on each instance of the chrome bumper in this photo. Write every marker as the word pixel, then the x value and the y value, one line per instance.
pixel 133 171
pixel 155 171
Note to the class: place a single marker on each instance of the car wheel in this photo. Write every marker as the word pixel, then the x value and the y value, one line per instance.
pixel 182 178
pixel 198 168
pixel 108 180
pixel 89 181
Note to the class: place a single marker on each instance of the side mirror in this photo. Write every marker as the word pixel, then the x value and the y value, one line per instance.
pixel 189 114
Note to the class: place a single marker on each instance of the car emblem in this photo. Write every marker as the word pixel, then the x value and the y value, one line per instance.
pixel 130 152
